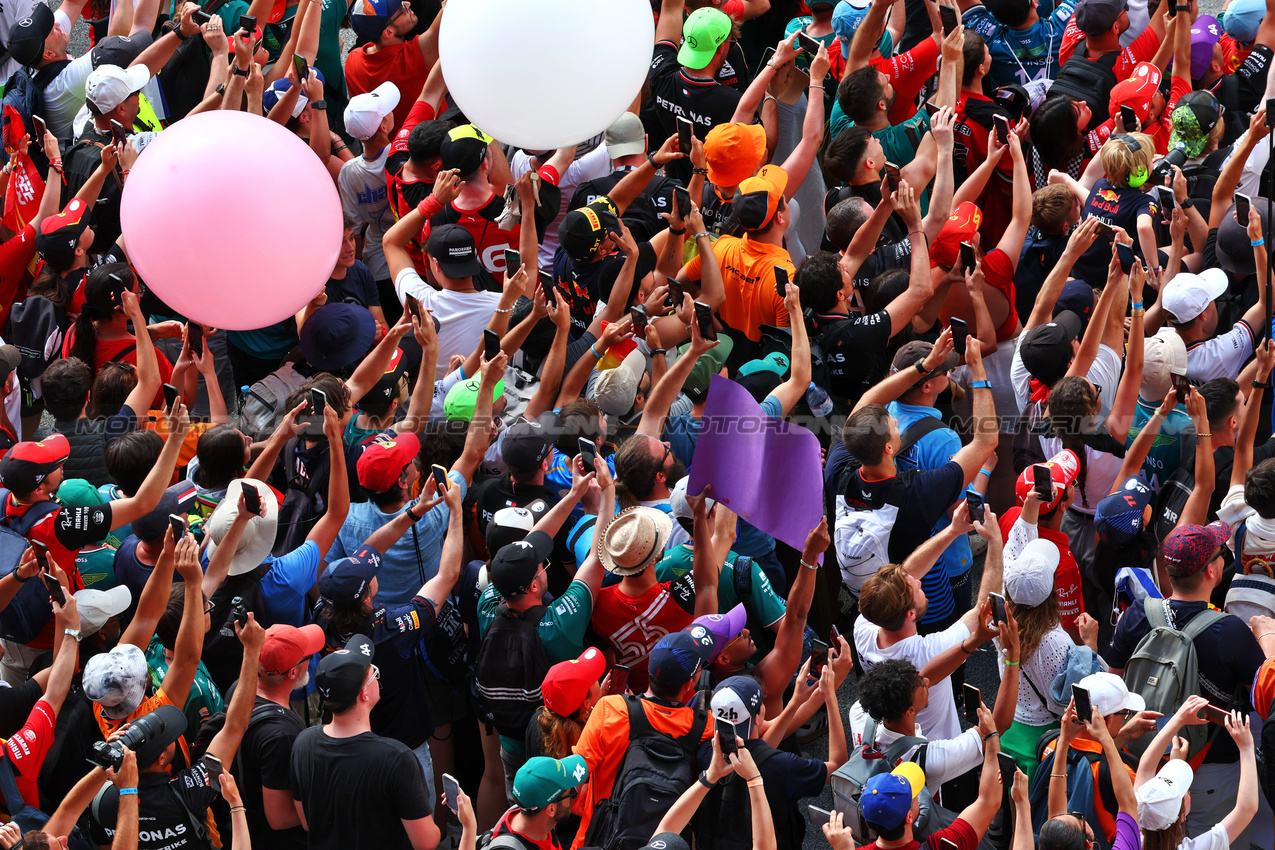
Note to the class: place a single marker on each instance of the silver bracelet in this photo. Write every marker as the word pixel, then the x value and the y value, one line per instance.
pixel 510 310
pixel 813 86
pixel 810 566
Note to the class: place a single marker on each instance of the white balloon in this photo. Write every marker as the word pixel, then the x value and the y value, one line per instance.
pixel 548 73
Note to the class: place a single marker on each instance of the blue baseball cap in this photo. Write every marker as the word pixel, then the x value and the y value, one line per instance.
pixel 887 797
pixel 336 336
pixel 676 658
pixel 737 700
pixel 1242 19
pixel 276 90
pixel 346 578
pixel 1118 517
pixel 1076 296
pixel 369 17
pixel 846 19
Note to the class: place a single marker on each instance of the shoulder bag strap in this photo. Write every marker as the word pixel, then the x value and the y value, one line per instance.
pixel 914 432
pixel 1044 702
pixel 200 827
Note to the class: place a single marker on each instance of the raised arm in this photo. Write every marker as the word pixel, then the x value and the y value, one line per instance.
pixel 886 391
pixel 785 52
pixel 1247 433
pixel 794 387
pixel 986 434
pixel 798 163
pixel 148 378
pixel 124 511
pixel 704 566
pixel 1081 238
pixel 1196 510
pixel 655 414
pixel 190 634
pixel 1097 327
pixel 478 438
pixel 225 743
pixel 325 530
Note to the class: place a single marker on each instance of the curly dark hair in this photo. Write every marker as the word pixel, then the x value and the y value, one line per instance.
pixel 1073 409
pixel 886 690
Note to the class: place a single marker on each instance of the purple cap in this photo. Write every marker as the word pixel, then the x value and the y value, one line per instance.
pixel 1190 548
pixel 1205 32
pixel 725 627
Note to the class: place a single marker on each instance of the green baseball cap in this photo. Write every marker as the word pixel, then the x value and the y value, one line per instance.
pixel 774 362
pixel 703 32
pixel 710 363
pixel 543 780
pixel 462 398
pixel 78 493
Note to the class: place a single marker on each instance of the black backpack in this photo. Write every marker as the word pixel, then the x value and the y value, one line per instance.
pixel 222 654
pixel 302 506
pixel 24 91
pixel 36 327
pixel 28 611
pixel 1089 80
pixel 656 770
pixel 509 669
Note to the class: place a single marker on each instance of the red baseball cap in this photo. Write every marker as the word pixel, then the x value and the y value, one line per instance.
pixel 567 683
pixel 382 462
pixel 960 227
pixel 28 463
pixel 288 646
pixel 59 235
pixel 1137 92
pixel 1063 469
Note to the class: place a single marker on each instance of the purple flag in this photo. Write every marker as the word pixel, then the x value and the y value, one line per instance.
pixel 764 469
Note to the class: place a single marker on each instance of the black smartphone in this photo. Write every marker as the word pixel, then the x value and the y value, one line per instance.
pixel 619 680
pixel 178 525
pixel 1243 203
pixel 212 765
pixel 818 657
pixel 932 108
pixel 892 176
pixel 512 261
pixel 1008 768
pixel 960 330
pixel 1173 8
pixel 318 403
pixel 675 295
pixel 302 66
pixel 1270 112
pixel 200 17
pixel 638 314
pixel 248 23
pixel 491 344
pixel 968 260
pixel 41 555
pixel 451 793
pixel 682 197
pixel 251 500
pixel 704 315
pixel 170 396
pixel 973 699
pixel 1181 386
pixel 413 306
pixel 1216 715
pixel 1002 128
pixel 806 43
pixel 974 504
pixel 440 477
pixel 998 608
pixel 685 130
pixel 835 635
pixel 40 128
pixel 1043 478
pixel 1124 253
pixel 55 590
pixel 1129 118
pixel 949 18
pixel 118 135
pixel 1084 708
pixel 547 284
pixel 726 736
pixel 1105 230
pixel 765 57
pixel 947 844
pixel 195 338
pixel 781 281
pixel 588 452
pixel 817 816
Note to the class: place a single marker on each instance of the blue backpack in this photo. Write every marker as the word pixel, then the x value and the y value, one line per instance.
pixel 1081 792
pixel 30 608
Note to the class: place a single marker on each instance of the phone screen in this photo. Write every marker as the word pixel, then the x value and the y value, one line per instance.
pixel 440 478
pixel 178 525
pixel 547 284
pixel 948 16
pixel 451 793
pixel 1002 129
pixel 491 344
pixel 1243 203
pixel 588 452
pixel 998 607
pixel 682 198
pixel 170 395
pixel 960 331
pixel 117 133
pixel 195 338
pixel 781 281
pixel 892 176
pixel 55 590
pixel 619 679
pixel 974 504
pixel 818 657
pixel 41 555
pixel 303 68
pixel 1167 200
pixel 1129 118
pixel 1181 386
pixel 1105 229
pixel 251 500
pixel 1084 708
pixel 1043 478
pixel 704 316
pixel 1214 715
pixel 684 136
pixel 1270 112
pixel 318 402
pixel 808 44
pixel 1008 767
pixel 39 126
pixel 512 262
pixel 973 699
pixel 818 817
pixel 212 765
pixel 1124 253
pixel 674 293
pixel 726 735
pixel 638 314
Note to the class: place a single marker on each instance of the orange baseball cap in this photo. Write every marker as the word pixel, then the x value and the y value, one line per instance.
pixel 734 152
pixel 960 227
pixel 757 198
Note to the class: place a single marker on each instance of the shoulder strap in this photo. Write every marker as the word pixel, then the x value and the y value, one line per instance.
pixel 639 725
pixel 1106 791
pixel 901 746
pixel 1157 616
pixel 200 827
pixel 914 432
pixel 690 741
pixel 29 520
pixel 123 352
pixel 1039 695
pixel 742 573
pixel 1201 622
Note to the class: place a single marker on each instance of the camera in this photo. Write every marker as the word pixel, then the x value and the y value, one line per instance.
pixel 148 727
pixel 1164 168
pixel 238 614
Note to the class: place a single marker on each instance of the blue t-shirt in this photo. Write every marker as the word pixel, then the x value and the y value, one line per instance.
pixel 412 560
pixel 1021 56
pixel 267 343
pixel 357 287
pixel 1166 453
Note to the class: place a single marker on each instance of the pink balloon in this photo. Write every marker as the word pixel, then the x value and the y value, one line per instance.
pixel 231 220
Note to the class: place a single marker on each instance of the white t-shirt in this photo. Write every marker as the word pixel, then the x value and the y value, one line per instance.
pixel 1215 839
pixel 939 716
pixel 64 97
pixel 1103 372
pixel 461 315
pixel 944 760
pixel 1222 356
pixel 593 165
pixel 1255 595
pixel 364 197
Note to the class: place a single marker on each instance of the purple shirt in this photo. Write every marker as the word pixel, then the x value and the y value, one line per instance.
pixel 1127 835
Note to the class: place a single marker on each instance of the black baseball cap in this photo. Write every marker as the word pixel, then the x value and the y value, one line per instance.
pixel 120 50
pixel 26 38
pixel 583 229
pixel 514 567
pixel 525 446
pixel 1046 349
pixel 453 247
pixel 464 149
pixel 341 674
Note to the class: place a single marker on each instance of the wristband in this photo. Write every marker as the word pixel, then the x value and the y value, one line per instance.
pixel 1137 312
pixel 1203 435
pixel 813 86
pixel 986 472
pixel 238 73
pixel 650 157
pixel 699 171
pixel 1261 385
pixel 1137 305
pixel 989 735
pixel 676 232
pixel 506 310
pixel 19 578
pixel 809 566
pixel 966 651
pixel 981 385
pixel 655 351
pixel 1012 663
pixel 128 792
pixel 703 779
pixel 234 809
pixel 1265 634
pixel 595 352
pixel 1258 242
pixel 700 235
pixel 755 782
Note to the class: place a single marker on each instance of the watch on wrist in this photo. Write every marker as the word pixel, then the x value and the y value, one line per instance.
pixel 1262 385
pixel 234 69
pixel 75 633
pixel 319 104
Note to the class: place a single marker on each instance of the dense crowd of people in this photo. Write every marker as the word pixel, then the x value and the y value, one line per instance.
pixel 422 565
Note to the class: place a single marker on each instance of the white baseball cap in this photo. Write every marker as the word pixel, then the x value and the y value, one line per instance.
pixel 678 504
pixel 365 112
pixel 1109 695
pixel 1029 578
pixel 110 85
pixel 98 606
pixel 1188 295
pixel 1160 800
pixel 1162 355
